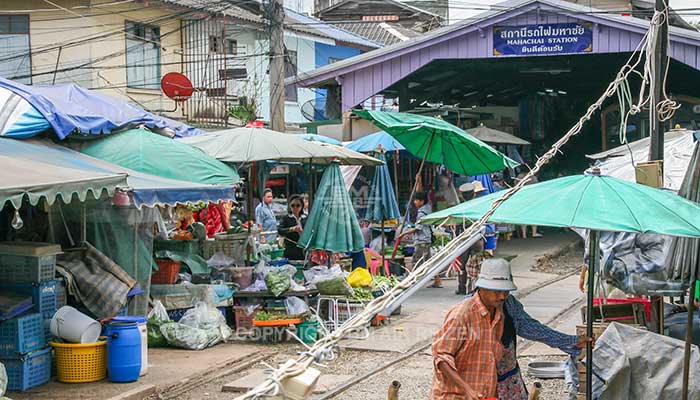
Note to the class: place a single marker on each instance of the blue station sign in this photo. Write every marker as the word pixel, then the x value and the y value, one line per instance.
pixel 543 39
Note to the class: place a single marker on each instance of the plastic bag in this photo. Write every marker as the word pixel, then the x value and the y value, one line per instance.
pixel 201 327
pixel 257 286
pixel 221 260
pixel 359 277
pixel 278 282
pixel 296 306
pixel 3 379
pixel 333 282
pixel 157 317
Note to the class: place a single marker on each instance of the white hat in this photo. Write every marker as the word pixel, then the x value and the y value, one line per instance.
pixel 495 275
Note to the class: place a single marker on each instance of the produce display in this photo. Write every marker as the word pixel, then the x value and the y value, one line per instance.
pixel 362 294
pixel 271 316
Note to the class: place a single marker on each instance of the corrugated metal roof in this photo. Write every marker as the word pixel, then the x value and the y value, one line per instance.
pixel 296 22
pixel 377 32
pixel 320 74
pixel 332 31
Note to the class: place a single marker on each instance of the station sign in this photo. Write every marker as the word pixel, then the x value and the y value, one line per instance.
pixel 542 39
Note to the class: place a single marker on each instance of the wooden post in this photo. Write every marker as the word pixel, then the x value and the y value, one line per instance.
pixel 277 59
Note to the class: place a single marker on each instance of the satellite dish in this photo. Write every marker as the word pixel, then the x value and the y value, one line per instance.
pixel 176 86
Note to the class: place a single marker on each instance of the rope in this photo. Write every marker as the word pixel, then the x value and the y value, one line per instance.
pixel 327 343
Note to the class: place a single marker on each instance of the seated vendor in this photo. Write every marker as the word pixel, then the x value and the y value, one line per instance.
pixel 291 227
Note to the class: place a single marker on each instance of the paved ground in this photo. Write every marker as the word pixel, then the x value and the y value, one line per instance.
pixel 201 375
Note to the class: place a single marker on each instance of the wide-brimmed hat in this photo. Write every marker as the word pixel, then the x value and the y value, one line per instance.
pixel 466 187
pixel 495 275
pixel 478 187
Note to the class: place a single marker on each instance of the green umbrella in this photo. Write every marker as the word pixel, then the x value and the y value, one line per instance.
pixel 332 224
pixel 586 201
pixel 151 153
pixel 598 203
pixel 440 142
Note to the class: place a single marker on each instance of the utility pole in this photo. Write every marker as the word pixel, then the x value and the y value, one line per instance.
pixel 277 57
pixel 658 127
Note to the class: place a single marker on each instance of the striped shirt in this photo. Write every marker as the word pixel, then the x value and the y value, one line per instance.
pixel 470 343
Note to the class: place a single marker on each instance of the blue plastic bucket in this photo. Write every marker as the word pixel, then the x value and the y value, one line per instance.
pixel 123 351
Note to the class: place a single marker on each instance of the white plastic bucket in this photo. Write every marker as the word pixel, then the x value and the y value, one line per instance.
pixel 75 327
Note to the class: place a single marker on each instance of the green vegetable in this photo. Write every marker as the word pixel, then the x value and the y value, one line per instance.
pixel 277 283
pixel 389 281
pixel 335 286
pixel 155 337
pixel 362 294
pixel 266 316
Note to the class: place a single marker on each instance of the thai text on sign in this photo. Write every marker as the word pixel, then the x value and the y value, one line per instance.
pixel 542 39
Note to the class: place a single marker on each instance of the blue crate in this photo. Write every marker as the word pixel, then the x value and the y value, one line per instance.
pixel 44 295
pixel 24 268
pixel 22 335
pixel 29 370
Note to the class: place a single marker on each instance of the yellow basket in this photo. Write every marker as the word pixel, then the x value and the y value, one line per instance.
pixel 79 363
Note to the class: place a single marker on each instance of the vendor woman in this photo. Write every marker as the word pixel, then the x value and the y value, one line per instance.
pixel 291 226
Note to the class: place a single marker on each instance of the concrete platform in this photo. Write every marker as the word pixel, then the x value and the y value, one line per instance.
pixel 258 376
pixel 167 368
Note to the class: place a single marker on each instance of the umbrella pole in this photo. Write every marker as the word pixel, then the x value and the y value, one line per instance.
pixel 593 260
pixel 689 333
pixel 395 156
pixel 413 191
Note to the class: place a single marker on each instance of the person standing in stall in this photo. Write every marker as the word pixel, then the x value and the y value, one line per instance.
pixel 266 218
pixel 422 235
pixel 291 226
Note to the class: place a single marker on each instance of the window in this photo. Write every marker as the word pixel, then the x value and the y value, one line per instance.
pixel 142 56
pixel 15 53
pixel 290 69
pixel 232 47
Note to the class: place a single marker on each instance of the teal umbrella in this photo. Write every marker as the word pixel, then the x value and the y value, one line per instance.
pixel 598 203
pixel 151 153
pixel 332 224
pixel 382 203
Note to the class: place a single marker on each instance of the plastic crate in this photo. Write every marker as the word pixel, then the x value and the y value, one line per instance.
pixel 234 248
pixel 167 272
pixel 61 294
pixel 29 370
pixel 44 295
pixel 22 335
pixel 183 246
pixel 27 269
pixel 243 320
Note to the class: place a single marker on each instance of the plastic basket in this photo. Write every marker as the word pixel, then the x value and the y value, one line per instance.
pixel 184 246
pixel 22 335
pixel 61 294
pixel 27 269
pixel 167 272
pixel 78 363
pixel 44 295
pixel 29 370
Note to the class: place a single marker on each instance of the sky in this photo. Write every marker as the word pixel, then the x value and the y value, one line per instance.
pixel 460 9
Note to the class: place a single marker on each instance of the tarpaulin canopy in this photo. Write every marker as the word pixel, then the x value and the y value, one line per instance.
pixel 440 142
pixel 374 141
pixel 620 161
pixel 332 224
pixel 39 168
pixel 490 135
pixel 151 153
pixel 250 144
pixel 586 201
pixel 71 108
pixel 312 137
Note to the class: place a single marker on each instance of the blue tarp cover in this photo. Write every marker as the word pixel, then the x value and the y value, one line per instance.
pixel 71 108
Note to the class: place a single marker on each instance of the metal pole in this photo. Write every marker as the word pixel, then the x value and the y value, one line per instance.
pixel 381 267
pixel 413 191
pixel 593 260
pixel 395 156
pixel 277 59
pixel 656 150
pixel 248 250
pixel 55 70
pixel 689 333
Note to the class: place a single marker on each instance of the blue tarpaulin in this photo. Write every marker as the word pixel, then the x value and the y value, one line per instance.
pixel 71 108
pixel 371 142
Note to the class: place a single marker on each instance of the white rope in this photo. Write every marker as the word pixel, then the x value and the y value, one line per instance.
pixel 327 343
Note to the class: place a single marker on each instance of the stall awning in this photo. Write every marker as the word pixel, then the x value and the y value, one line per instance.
pixel 71 108
pixel 40 168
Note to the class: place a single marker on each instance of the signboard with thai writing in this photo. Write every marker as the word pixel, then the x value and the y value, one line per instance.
pixel 543 39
